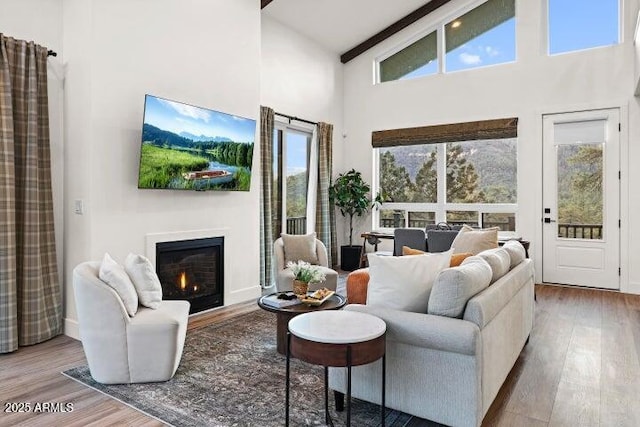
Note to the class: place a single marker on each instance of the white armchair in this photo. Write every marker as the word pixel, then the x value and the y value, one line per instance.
pixel 122 349
pixel 284 276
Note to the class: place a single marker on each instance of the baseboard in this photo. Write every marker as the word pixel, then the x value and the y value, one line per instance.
pixel 631 288
pixel 242 295
pixel 71 328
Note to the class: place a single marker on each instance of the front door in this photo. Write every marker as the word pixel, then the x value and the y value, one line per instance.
pixel 581 199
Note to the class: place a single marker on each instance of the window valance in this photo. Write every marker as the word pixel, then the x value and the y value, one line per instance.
pixel 467 131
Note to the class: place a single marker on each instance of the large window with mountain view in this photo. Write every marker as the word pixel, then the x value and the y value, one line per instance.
pixel 459 182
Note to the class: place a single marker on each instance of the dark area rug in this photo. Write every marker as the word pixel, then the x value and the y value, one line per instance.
pixel 231 375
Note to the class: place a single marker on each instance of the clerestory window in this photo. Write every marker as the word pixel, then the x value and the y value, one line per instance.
pixel 582 25
pixel 484 35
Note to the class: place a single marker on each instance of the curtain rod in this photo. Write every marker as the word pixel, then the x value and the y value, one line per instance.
pixel 295 118
pixel 51 53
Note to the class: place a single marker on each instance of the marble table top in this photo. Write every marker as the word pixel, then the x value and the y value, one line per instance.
pixel 337 327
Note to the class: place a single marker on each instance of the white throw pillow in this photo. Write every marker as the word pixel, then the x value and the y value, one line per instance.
pixel 404 282
pixel 475 241
pixel 145 280
pixel 113 274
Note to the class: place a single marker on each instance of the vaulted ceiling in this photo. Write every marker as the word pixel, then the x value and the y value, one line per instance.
pixel 348 27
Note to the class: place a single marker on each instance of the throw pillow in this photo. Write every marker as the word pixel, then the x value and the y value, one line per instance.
pixel 404 282
pixel 113 274
pixel 456 259
pixel 300 248
pixel 499 261
pixel 516 252
pixel 145 280
pixel 475 241
pixel 454 287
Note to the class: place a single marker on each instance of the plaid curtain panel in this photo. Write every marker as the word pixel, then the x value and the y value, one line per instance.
pixel 266 192
pixel 325 212
pixel 30 295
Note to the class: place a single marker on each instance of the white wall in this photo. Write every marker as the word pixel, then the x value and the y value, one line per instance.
pixel 19 21
pixel 202 52
pixel 533 85
pixel 301 78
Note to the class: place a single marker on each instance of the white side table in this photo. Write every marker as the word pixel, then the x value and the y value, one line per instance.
pixel 340 339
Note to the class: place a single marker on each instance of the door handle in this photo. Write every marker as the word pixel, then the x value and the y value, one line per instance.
pixel 549 220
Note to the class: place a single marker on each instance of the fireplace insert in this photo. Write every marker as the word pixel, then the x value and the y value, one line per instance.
pixel 192 270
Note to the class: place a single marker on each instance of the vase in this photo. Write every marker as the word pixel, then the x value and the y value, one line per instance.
pixel 300 287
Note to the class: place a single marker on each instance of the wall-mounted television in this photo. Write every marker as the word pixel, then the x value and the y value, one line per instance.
pixel 193 148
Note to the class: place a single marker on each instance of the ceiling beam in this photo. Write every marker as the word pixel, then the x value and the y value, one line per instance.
pixel 392 29
pixel 264 3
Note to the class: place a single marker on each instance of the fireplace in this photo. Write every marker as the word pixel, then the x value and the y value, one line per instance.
pixel 192 270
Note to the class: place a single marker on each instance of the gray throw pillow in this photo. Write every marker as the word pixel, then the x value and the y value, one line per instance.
pixel 300 248
pixel 454 287
pixel 499 261
pixel 516 252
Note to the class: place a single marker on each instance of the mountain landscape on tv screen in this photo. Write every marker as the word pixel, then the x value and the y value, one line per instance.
pixel 173 156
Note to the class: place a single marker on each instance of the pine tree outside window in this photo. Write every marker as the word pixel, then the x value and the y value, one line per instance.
pixel 469 179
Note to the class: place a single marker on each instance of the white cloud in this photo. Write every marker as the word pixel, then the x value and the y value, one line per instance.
pixel 470 59
pixel 188 110
pixel 492 51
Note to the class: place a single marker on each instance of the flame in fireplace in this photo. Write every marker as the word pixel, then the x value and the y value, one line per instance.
pixel 183 281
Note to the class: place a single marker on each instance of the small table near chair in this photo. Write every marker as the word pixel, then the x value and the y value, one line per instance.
pixel 338 339
pixel 285 314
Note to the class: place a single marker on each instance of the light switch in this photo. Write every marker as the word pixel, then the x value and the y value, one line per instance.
pixel 78 207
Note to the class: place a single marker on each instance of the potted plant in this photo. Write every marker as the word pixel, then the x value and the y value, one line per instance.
pixel 304 273
pixel 350 193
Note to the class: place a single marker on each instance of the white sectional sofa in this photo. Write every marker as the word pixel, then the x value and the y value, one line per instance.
pixel 449 369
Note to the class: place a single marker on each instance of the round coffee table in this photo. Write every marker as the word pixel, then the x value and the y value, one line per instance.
pixel 340 339
pixel 285 314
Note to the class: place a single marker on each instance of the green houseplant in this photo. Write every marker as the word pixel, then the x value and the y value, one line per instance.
pixel 350 193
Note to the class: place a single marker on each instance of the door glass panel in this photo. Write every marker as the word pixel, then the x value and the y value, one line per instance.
pixel 580 195
pixel 297 175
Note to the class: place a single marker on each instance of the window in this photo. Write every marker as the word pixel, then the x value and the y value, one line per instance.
pixel 470 180
pixel 485 35
pixel 418 59
pixel 582 25
pixel 291 156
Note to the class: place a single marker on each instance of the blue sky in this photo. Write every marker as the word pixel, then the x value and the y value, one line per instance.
pixel 177 117
pixel 584 24
pixel 573 25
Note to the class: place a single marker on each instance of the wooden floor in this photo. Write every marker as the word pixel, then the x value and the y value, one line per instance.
pixel 580 368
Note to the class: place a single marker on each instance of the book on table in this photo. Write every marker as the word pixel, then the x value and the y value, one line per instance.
pixel 274 301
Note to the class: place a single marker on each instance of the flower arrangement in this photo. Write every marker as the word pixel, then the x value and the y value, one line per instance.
pixel 305 272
